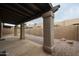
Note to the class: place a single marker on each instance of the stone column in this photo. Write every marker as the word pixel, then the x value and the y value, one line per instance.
pixel 15 30
pixel 1 30
pixel 48 31
pixel 22 31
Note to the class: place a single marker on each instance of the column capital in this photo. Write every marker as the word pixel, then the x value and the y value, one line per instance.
pixel 48 14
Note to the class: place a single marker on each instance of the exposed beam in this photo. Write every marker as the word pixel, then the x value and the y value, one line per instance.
pixel 20 8
pixel 32 7
pixel 15 10
pixel 8 10
pixel 35 7
pixel 25 9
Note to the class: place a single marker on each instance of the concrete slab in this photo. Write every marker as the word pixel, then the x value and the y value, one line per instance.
pixel 32 46
pixel 15 47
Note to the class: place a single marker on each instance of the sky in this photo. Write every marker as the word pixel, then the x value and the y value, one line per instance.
pixel 66 11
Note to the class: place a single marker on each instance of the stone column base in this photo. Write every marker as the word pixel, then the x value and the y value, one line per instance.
pixel 49 50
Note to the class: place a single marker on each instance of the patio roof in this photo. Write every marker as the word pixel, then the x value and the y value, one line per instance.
pixel 16 13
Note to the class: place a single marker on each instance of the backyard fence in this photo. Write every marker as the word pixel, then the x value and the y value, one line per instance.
pixel 67 32
pixel 70 32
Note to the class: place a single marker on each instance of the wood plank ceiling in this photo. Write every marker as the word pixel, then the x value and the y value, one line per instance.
pixel 16 13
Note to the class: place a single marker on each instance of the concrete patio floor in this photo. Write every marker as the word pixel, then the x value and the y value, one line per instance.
pixel 32 46
pixel 16 47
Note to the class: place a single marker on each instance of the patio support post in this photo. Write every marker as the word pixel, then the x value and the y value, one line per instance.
pixel 15 30
pixel 1 30
pixel 22 31
pixel 48 31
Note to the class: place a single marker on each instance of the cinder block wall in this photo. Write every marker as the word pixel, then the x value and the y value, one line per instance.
pixel 37 30
pixel 7 31
pixel 67 32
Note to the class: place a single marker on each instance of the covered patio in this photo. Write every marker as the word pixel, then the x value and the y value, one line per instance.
pixel 19 13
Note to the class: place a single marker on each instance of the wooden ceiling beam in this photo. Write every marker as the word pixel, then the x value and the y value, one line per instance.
pixel 16 10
